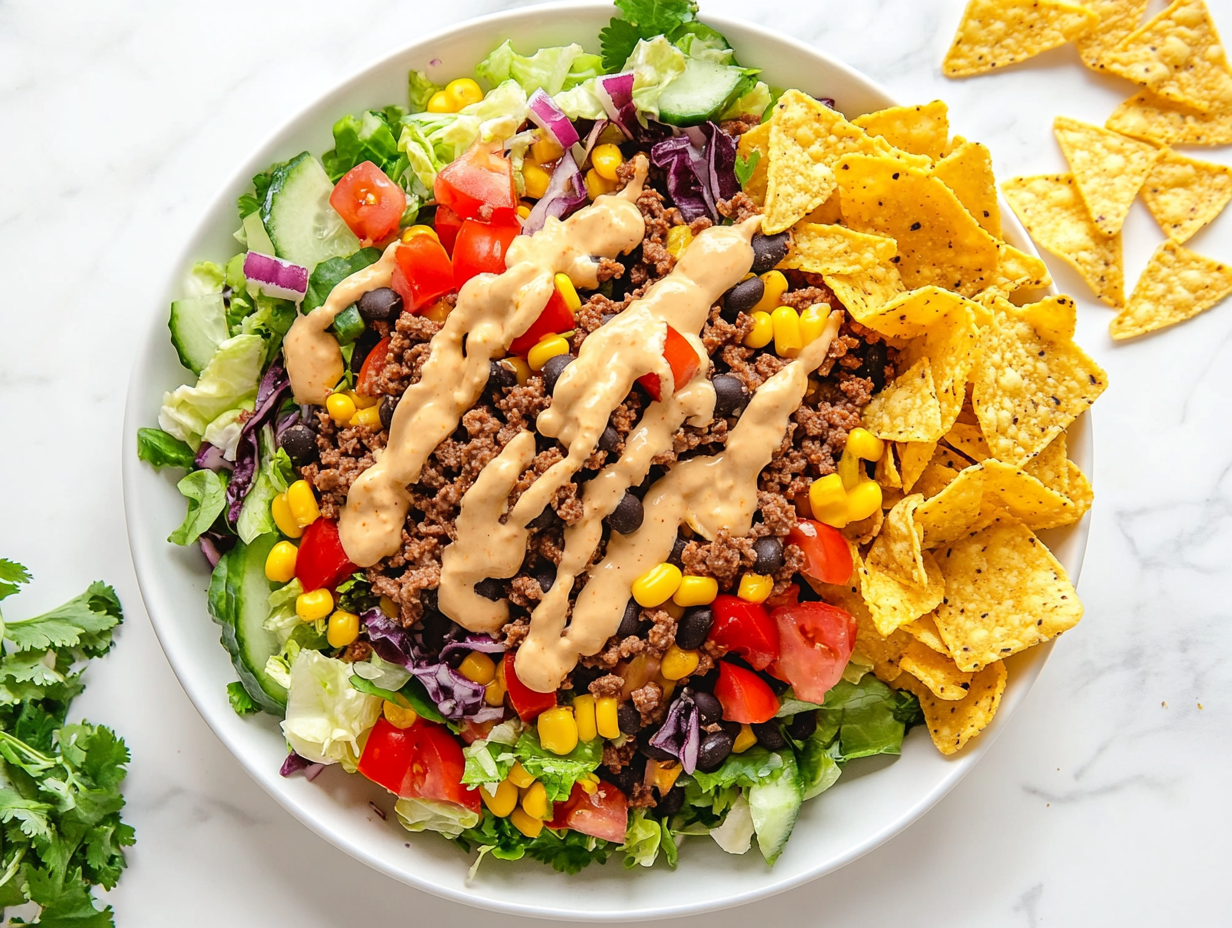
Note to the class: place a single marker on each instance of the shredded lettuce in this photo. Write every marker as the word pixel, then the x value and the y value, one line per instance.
pixel 367 137
pixel 753 102
pixel 274 475
pixel 735 834
pixel 206 492
pixel 224 431
pixel 447 818
pixel 156 447
pixel 230 378
pixel 753 766
pixel 283 619
pixel 420 90
pixel 557 773
pixel 325 714
pixel 859 720
pixel 550 69
pixel 654 63
pixel 642 840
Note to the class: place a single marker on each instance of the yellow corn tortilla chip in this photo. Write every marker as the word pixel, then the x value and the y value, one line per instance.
pixel 924 630
pixel 1080 492
pixel 997 33
pixel 1177 284
pixel 1051 466
pixel 907 409
pixel 968 439
pixel 897 549
pixel 1028 389
pixel 1054 318
pixel 1146 116
pixel 1117 19
pixel 921 130
pixel 913 458
pixel 828 213
pixel 1026 498
pixel 1004 592
pixel 1052 210
pixel 887 471
pixel 967 170
pixel 1108 168
pixel 947 516
pixel 891 601
pixel 1018 270
pixel 866 293
pixel 953 724
pixel 938 240
pixel 950 344
pixel 910 314
pixel 1184 194
pixel 756 140
pixel 1177 55
pixel 936 671
pixel 942 470
pixel 830 249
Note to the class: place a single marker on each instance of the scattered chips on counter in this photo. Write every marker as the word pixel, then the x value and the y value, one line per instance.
pixel 1177 284
pixel 1184 194
pixel 997 33
pixel 1109 169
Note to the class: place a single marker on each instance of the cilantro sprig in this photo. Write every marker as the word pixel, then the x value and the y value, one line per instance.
pixel 643 19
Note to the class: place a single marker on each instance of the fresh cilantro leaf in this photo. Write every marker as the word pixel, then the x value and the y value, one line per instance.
pixel 12 575
pixel 154 446
pixel 240 701
pixel 616 43
pixel 84 623
pixel 569 851
pixel 66 901
pixel 746 166
pixel 657 17
pixel 30 815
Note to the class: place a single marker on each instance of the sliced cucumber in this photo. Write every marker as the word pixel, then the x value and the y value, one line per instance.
pixel 301 224
pixel 700 93
pixel 775 804
pixel 239 603
pixel 198 326
pixel 254 232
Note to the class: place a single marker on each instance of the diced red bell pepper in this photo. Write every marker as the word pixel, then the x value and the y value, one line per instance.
pixel 554 318
pixel 478 185
pixel 744 696
pixel 481 247
pixel 421 762
pixel 745 628
pixel 681 357
pixel 827 556
pixel 527 703
pixel 423 272
pixel 370 370
pixel 321 562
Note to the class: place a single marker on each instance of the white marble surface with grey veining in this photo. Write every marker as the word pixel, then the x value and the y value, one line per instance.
pixel 1105 802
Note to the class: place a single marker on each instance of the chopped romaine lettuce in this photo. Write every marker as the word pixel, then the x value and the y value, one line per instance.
pixel 283 618
pixel 642 840
pixel 446 818
pixel 753 766
pixel 654 63
pixel 371 136
pixel 224 432
pixel 552 69
pixel 325 714
pixel 859 720
pixel 206 492
pixel 230 377
pixel 420 91
pixel 735 834
pixel 333 271
pixel 156 447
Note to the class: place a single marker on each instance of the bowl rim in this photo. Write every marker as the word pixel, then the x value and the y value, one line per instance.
pixel 145 566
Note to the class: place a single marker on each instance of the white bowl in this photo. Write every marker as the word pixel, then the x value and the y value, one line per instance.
pixel 874 799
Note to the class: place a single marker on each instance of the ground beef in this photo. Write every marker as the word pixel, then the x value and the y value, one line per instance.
pixel 615 758
pixel 607 687
pixel 740 125
pixel 725 558
pixel 357 651
pixel 738 208
pixel 649 701
pixel 642 797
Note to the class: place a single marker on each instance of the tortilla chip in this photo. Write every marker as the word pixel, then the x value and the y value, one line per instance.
pixel 828 213
pixel 950 344
pixel 942 469
pixel 1022 269
pixel 1028 389
pixel 1004 592
pixel 887 474
pixel 1026 498
pixel 907 409
pixel 968 439
pixel 936 671
pixel 967 170
pixel 997 33
pixel 1108 167
pixel 924 630
pixel 757 140
pixel 1054 318
pixel 1052 210
pixel 891 601
pixel 938 240
pixel 1117 19
pixel 913 458
pixel 1177 284
pixel 1146 116
pixel 1184 194
pixel 946 516
pixel 910 314
pixel 1080 492
pixel 953 724
pixel 897 549
pixel 1051 466
pixel 1178 56
pixel 866 293
pixel 922 130
pixel 820 249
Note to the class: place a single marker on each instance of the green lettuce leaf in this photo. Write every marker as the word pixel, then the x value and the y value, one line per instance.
pixel 642 840
pixel 420 91
pixel 274 475
pixel 206 492
pixel 557 773
pixel 550 69
pixel 231 376
pixel 371 136
pixel 753 766
pixel 156 447
pixel 859 720
pixel 333 271
pixel 654 63
pixel 240 701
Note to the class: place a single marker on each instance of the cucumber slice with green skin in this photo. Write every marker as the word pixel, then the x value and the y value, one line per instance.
pixel 775 805
pixel 198 326
pixel 239 603
pixel 258 238
pixel 301 225
pixel 700 93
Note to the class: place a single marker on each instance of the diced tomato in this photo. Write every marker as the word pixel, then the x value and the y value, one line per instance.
pixel 816 640
pixel 423 272
pixel 421 762
pixel 370 370
pixel 744 696
pixel 789 597
pixel 827 557
pixel 321 561
pixel 745 628
pixel 603 814
pixel 369 202
pixel 526 702
pixel 681 357
pixel 480 248
pixel 478 185
pixel 554 318
pixel 447 224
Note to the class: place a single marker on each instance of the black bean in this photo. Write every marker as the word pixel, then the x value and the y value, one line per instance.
pixel 704 683
pixel 546 576
pixel 730 397
pixel 768 251
pixel 628 515
pixel 802 725
pixel 670 802
pixel 607 317
pixel 693 627
pixel 553 368
pixel 715 748
pixel 649 750
pixel 500 377
pixel 769 736
pixel 678 547
pixel 875 360
pixel 388 405
pixel 429 600
pixel 609 440
pixel 545 520
pixel 624 780
pixel 628 718
pixel 300 444
pixel 774 683
pixel 491 588
pixel 380 305
pixel 769 555
pixel 362 348
pixel 582 677
pixel 709 709
pixel 434 627
pixel 742 298
pixel 632 619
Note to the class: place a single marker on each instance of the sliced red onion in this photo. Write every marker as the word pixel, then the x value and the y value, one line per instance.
pixel 276 277
pixel 566 192
pixel 582 152
pixel 549 117
pixel 293 764
pixel 680 735
pixel 615 92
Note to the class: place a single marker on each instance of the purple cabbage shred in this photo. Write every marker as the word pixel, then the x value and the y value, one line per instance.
pixel 210 457
pixel 701 169
pixel 681 734
pixel 274 386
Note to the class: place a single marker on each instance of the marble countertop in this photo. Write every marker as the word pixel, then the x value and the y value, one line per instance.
pixel 1105 801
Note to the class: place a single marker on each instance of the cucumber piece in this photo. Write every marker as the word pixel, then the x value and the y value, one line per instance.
pixel 301 224
pixel 700 93
pixel 198 326
pixel 239 603
pixel 775 805
pixel 254 233
pixel 347 326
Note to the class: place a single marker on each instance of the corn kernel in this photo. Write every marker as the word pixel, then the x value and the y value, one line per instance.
pixel 667 686
pixel 523 211
pixel 584 715
pixel 606 717
pixel 478 668
pixel 788 339
pixel 531 827
pixel 828 500
pixel 519 367
pixel 519 777
pixel 437 312
pixel 589 784
pixel 388 607
pixel 340 407
pixel 314 605
pixel 280 562
pixel 369 416
pixel 863 500
pixel 606 159
pixel 813 322
pixel 597 185
pixel 363 402
pixel 675 611
pixel 568 293
pixel 547 347
pixel 281 512
pixel 535 801
pixel 494 693
pixel 303 503
pixel 558 731
pixel 535 179
pixel 410 232
pixel 439 102
pixel 343 629
pixel 662 774
pixel 745 740
pixel 656 586
pixel 505 800
pixel 678 663
pixel 678 240
pixel 696 591
pixel 775 286
pixel 762 332
pixel 755 588
pixel 545 149
pixel 463 92
pixel 864 445
pixel 399 716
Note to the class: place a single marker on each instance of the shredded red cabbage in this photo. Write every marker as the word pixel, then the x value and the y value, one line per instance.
pixel 274 385
pixel 681 734
pixel 566 193
pixel 701 169
pixel 294 763
pixel 210 457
